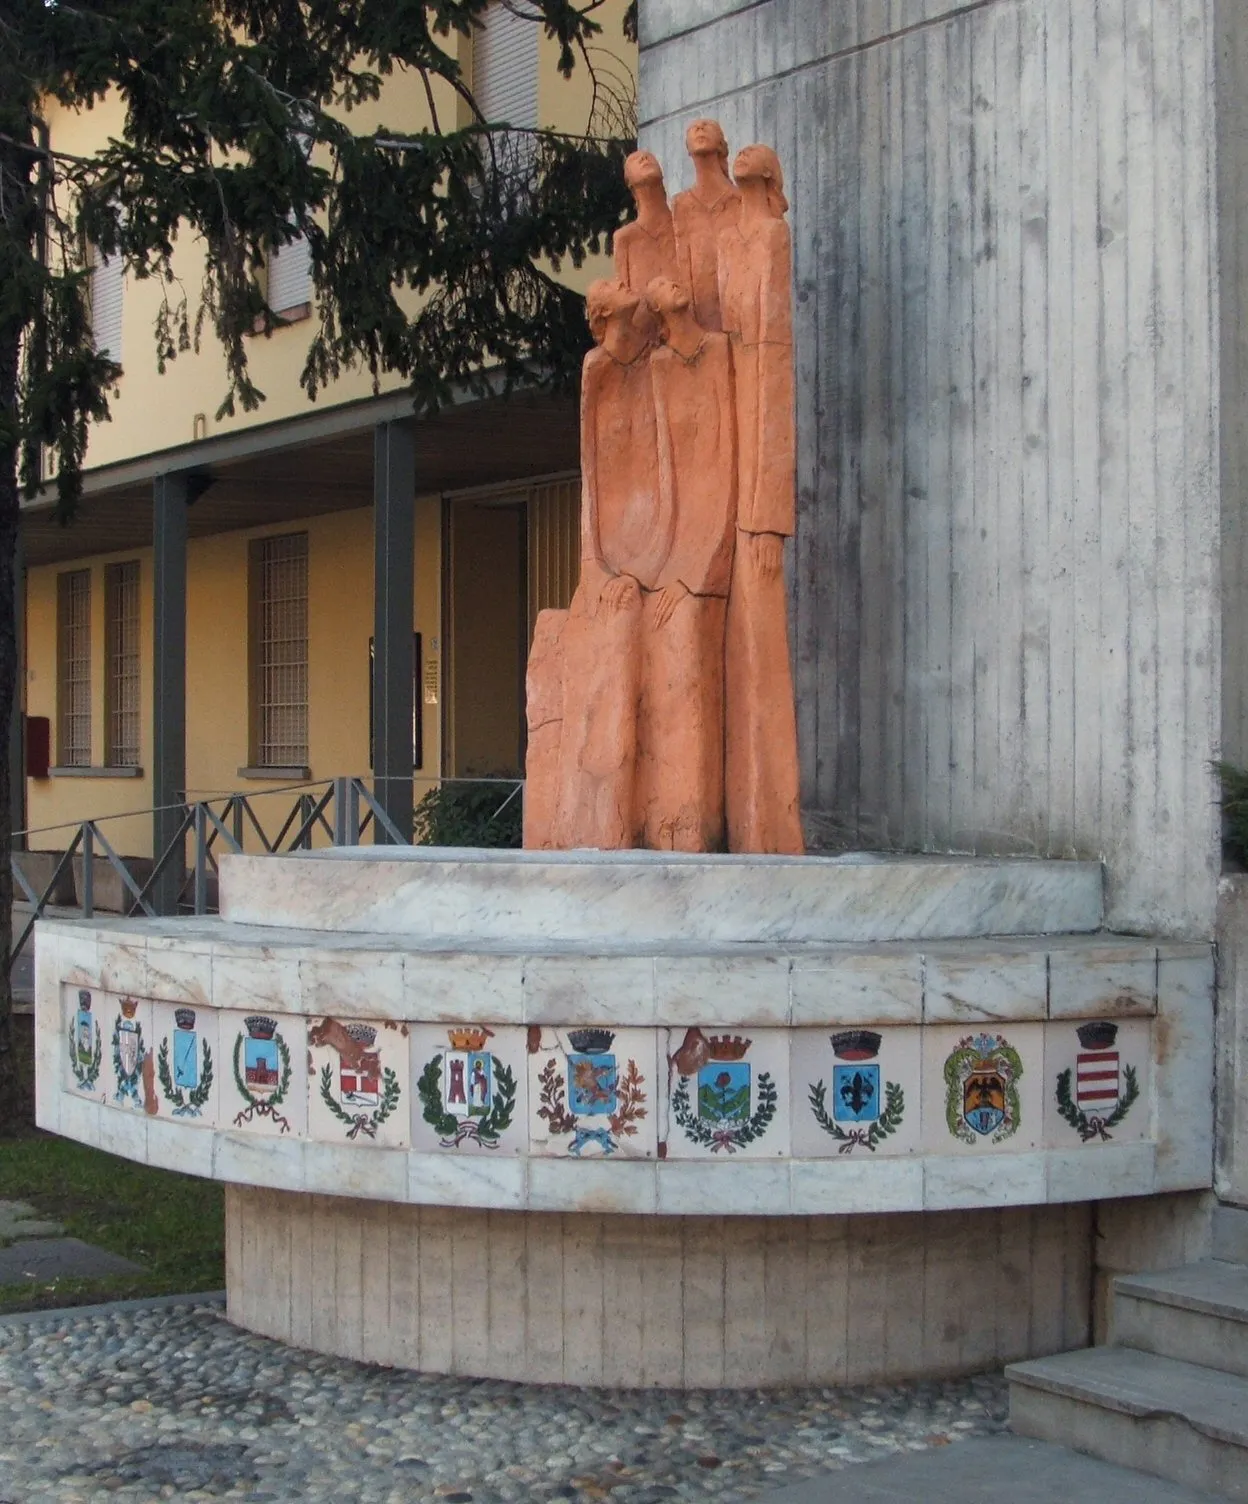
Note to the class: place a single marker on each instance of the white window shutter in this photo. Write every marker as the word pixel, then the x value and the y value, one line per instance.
pixel 504 68
pixel 107 276
pixel 290 275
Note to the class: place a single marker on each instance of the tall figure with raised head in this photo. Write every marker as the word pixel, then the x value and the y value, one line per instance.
pixel 680 760
pixel 701 215
pixel 755 290
pixel 645 248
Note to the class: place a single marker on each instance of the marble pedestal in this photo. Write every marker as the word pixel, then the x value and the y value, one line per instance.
pixel 643 1120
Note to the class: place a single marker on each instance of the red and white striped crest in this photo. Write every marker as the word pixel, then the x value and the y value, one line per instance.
pixel 1097 1081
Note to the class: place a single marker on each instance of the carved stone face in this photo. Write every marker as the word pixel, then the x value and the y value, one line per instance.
pixel 642 169
pixel 751 162
pixel 705 138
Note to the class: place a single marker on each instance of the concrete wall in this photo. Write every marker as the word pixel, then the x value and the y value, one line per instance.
pixel 685 1302
pixel 1006 578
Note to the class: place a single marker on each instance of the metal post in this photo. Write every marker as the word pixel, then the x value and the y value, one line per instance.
pixel 17 739
pixel 394 537
pixel 201 859
pixel 170 501
pixel 88 870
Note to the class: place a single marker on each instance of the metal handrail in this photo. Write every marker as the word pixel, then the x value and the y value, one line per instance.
pixel 342 810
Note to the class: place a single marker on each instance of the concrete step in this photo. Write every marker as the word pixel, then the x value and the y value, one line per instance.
pixel 1171 1419
pixel 992 1470
pixel 1230 1234
pixel 1198 1313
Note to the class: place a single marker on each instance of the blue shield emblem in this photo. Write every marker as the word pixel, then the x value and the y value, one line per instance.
pixel 591 1084
pixel 260 1065
pixel 186 1058
pixel 724 1091
pixel 855 1093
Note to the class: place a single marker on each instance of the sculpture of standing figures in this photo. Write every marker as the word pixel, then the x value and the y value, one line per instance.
pixel 660 704
pixel 755 293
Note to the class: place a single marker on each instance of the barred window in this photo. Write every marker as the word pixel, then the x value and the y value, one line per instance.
pixel 73 668
pixel 122 710
pixel 279 575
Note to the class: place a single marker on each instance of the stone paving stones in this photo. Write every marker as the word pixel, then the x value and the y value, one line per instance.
pixel 41 1259
pixel 173 1403
pixel 19 1220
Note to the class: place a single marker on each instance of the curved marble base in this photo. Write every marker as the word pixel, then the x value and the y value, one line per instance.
pixel 648 1302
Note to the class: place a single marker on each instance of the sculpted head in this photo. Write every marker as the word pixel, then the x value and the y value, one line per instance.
pixel 760 164
pixel 705 138
pixel 667 300
pixel 642 170
pixel 606 300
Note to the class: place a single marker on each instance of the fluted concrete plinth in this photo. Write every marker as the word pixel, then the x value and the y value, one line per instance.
pixel 634 1301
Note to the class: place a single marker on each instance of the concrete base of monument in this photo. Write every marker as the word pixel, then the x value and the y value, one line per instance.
pixel 547 1076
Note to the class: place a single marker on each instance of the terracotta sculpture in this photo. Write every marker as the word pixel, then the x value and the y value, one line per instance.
pixel 660 705
pixel 701 214
pixel 646 247
pixel 755 290
pixel 626 530
pixel 680 771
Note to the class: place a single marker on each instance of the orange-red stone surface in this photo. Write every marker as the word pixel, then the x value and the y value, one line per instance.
pixel 660 705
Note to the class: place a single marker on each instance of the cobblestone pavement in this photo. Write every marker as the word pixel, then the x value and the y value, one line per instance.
pixel 173 1403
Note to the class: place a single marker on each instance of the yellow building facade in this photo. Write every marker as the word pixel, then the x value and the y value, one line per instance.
pixel 281 546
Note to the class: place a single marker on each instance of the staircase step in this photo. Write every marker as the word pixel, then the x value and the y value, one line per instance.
pixel 1173 1419
pixel 1230 1234
pixel 1198 1313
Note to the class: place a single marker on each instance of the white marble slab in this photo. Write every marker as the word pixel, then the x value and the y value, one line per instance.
pixel 637 898
pixel 1006 986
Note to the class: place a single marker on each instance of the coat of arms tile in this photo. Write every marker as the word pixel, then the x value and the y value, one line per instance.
pixel 591 1092
pixel 1097 1077
pixel 129 1062
pixel 85 1038
pixel 187 1064
pixel 728 1094
pixel 359 1081
pixel 264 1071
pixel 856 1092
pixel 470 1088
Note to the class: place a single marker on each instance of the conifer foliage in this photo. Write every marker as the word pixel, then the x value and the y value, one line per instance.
pixel 434 253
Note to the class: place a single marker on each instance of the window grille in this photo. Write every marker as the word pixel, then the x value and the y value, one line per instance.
pixel 290 277
pixel 280 651
pixel 554 546
pixel 73 668
pixel 107 275
pixel 504 67
pixel 121 684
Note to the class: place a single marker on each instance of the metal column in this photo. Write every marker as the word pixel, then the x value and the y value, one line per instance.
pixel 394 537
pixel 17 738
pixel 171 497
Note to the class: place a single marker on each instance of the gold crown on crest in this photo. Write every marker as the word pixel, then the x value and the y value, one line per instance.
pixel 727 1046
pixel 470 1039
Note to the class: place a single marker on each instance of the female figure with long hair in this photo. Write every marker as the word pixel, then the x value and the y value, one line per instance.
pixel 755 295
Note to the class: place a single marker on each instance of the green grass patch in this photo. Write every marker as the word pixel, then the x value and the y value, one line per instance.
pixel 174 1225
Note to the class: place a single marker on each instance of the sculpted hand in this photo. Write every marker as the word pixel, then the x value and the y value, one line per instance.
pixel 766 553
pixel 619 592
pixel 666 601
